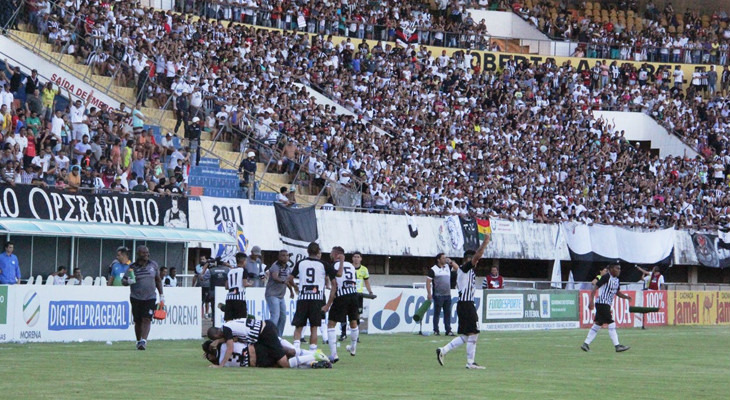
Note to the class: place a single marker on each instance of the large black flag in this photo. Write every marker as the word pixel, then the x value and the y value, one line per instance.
pixel 470 230
pixel 297 228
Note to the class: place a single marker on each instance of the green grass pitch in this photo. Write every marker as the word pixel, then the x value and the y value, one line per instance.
pixel 663 363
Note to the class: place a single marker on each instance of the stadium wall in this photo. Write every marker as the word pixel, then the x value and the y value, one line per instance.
pixel 34 313
pixel 400 235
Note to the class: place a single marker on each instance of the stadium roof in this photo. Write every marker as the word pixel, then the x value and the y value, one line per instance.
pixel 36 227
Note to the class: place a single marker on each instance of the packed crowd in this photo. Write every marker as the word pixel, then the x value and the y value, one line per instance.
pixel 431 134
pixel 620 30
pixel 79 148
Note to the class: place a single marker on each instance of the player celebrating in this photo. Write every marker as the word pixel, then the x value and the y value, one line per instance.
pixel 343 303
pixel 236 286
pixel 608 287
pixel 312 274
pixel 465 310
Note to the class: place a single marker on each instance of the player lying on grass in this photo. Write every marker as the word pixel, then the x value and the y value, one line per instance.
pixel 262 334
pixel 261 356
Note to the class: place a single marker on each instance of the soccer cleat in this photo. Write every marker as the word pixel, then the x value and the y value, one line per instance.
pixel 321 364
pixel 436 333
pixel 342 337
pixel 475 366
pixel 349 349
pixel 620 348
pixel 334 359
pixel 440 356
pixel 139 344
pixel 450 333
pixel 585 347
pixel 142 345
pixel 320 356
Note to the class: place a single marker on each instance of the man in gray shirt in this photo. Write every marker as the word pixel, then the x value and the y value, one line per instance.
pixel 143 278
pixel 256 268
pixel 276 290
pixel 438 287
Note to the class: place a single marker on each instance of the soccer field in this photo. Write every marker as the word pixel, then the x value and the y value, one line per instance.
pixel 666 363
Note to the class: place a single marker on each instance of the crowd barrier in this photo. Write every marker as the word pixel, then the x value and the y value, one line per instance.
pixel 81 313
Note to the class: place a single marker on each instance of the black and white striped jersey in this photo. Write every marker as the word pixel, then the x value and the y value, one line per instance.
pixel 347 283
pixel 466 281
pixel 239 357
pixel 245 330
pixel 608 286
pixel 236 290
pixel 312 274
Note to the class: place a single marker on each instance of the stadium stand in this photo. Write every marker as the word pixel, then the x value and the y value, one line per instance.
pixel 430 134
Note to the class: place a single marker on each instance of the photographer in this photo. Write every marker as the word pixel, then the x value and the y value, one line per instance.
pixel 218 277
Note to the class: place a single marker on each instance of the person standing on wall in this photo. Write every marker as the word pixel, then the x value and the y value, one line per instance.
pixel 143 278
pixel 438 287
pixel 276 289
pixel 256 268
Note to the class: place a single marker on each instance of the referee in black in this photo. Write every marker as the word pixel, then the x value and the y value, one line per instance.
pixel 607 287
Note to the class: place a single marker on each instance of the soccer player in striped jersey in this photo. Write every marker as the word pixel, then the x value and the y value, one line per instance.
pixel 238 280
pixel 343 303
pixel 607 287
pixel 312 273
pixel 465 309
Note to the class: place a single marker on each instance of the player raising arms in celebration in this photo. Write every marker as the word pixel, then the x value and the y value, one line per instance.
pixel 312 273
pixel 343 303
pixel 607 287
pixel 465 309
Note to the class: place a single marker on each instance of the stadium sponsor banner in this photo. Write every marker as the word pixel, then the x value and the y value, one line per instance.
pixel 699 308
pixel 529 309
pixel 658 299
pixel 392 311
pixel 257 307
pixel 6 314
pixel 26 201
pixel 713 250
pixel 80 313
pixel 620 307
pixel 232 216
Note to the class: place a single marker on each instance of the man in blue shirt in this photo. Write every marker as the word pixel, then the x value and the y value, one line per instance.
pixel 9 266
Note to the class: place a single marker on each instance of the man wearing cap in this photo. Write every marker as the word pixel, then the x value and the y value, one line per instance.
pixel 248 167
pixel 276 289
pixel 193 134
pixel 256 268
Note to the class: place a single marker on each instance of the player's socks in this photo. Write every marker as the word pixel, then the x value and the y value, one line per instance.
pixel 592 333
pixel 471 348
pixel 312 347
pixel 456 342
pixel 301 361
pixel 297 344
pixel 332 341
pixel 612 333
pixel 354 335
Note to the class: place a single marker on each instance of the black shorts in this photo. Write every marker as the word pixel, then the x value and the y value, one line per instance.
pixel 345 307
pixel 466 312
pixel 603 314
pixel 205 294
pixel 235 309
pixel 268 347
pixel 308 310
pixel 142 309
